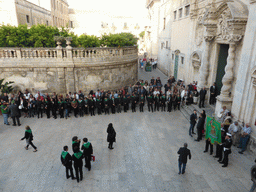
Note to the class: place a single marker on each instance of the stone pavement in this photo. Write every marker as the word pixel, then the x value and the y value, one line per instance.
pixel 143 159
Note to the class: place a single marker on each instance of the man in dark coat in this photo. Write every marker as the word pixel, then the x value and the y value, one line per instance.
pixel 75 143
pixel 193 118
pixel 213 93
pixel 219 147
pixel 87 152
pixel 111 135
pixel 66 161
pixel 207 143
pixel 184 152
pixel 202 97
pixel 200 127
pixel 77 157
pixel 141 102
pixel 15 114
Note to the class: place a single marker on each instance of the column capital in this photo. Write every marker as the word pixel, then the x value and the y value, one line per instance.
pixel 233 39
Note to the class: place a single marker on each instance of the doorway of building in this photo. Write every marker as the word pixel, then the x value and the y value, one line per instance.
pixel 222 62
pixel 176 66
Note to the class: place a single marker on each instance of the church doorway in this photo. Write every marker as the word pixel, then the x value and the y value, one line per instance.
pixel 222 62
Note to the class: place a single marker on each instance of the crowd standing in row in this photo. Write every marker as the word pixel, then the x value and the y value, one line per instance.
pixel 157 97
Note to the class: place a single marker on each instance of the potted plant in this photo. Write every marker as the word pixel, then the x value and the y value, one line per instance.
pixel 148 67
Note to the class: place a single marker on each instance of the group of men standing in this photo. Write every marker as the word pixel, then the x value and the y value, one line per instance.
pixel 67 160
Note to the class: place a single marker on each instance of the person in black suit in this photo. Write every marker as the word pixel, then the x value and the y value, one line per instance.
pixel 141 102
pixel 87 152
pixel 29 138
pixel 184 152
pixel 202 97
pixel 193 118
pixel 213 93
pixel 111 135
pixel 200 127
pixel 15 114
pixel 227 149
pixel 207 143
pixel 77 157
pixel 75 143
pixel 66 161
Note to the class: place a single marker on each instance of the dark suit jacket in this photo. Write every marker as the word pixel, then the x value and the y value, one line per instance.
pixel 67 162
pixel 202 94
pixel 193 118
pixel 184 153
pixel 87 151
pixel 14 110
pixel 213 90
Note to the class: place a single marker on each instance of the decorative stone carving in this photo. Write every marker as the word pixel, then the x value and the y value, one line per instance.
pixel 196 61
pixel 229 75
pixel 199 29
pixel 68 42
pixel 209 38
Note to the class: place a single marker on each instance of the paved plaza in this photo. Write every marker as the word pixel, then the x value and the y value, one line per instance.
pixel 144 157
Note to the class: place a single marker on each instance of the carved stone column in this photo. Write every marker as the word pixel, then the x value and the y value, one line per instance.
pixel 204 70
pixel 229 74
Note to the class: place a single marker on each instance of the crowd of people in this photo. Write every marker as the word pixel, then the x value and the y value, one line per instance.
pixel 76 160
pixel 157 96
pixel 230 134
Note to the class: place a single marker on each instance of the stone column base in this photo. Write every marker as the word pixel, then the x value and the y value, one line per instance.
pixel 222 101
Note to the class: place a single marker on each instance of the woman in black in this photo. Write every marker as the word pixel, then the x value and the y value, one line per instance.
pixel 111 135
pixel 29 138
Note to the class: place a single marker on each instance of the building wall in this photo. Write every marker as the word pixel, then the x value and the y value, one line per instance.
pixel 31 14
pixel 59 11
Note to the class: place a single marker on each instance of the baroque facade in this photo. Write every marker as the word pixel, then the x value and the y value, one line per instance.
pixel 212 41
pixel 33 12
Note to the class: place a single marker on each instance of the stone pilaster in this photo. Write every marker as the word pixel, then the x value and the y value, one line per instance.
pixel 204 69
pixel 229 74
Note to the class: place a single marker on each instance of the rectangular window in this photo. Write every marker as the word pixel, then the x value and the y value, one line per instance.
pixel 166 45
pixel 182 60
pixel 47 23
pixel 180 12
pixel 164 23
pixel 187 9
pixel 162 45
pixel 173 56
pixel 71 24
pixel 27 18
pixel 175 15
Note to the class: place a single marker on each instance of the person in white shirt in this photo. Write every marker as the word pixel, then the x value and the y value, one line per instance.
pixel 156 92
pixel 26 94
pixel 245 135
pixel 223 113
pixel 233 130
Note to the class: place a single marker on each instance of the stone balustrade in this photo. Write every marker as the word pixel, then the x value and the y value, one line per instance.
pixel 69 69
pixel 95 52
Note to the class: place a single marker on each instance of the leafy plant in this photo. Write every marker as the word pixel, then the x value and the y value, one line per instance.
pixel 6 87
pixel 142 34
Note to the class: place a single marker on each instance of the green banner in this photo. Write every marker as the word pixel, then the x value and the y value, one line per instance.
pixel 213 130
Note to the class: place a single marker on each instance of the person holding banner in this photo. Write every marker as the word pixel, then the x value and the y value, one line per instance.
pixel 227 149
pixel 207 143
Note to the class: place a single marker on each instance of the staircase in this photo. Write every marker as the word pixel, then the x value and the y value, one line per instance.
pixel 187 110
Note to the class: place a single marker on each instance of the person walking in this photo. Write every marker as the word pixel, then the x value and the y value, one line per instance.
pixel 111 135
pixel 193 118
pixel 184 153
pixel 87 152
pixel 66 161
pixel 29 138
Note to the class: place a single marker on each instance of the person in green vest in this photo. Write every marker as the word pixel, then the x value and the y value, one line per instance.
pixel 66 161
pixel 150 101
pixel 4 110
pixel 29 138
pixel 87 152
pixel 75 143
pixel 162 101
pixel 77 157
pixel 142 102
